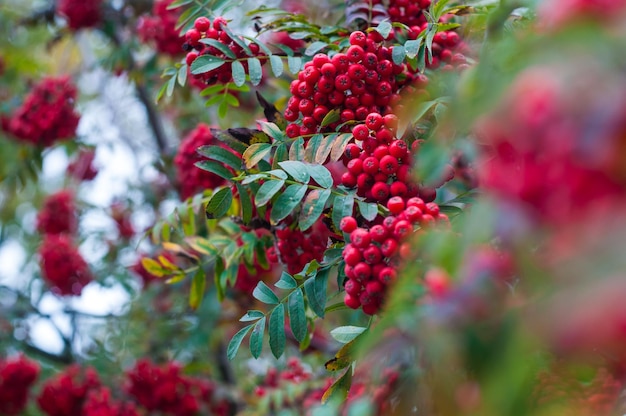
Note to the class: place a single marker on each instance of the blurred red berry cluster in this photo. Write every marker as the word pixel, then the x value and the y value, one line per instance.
pixel 58 214
pixel 47 113
pixel 17 375
pixel 80 13
pixel 160 28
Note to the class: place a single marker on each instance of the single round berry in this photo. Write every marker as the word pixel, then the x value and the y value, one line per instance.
pixel 388 165
pixel 402 229
pixel 370 165
pixel 202 24
pixel 362 272
pixel 352 302
pixel 389 247
pixel 380 191
pixel 355 166
pixel 374 121
pixel 348 179
pixel 360 238
pixel 358 38
pixel 348 224
pixel 387 275
pixel 395 205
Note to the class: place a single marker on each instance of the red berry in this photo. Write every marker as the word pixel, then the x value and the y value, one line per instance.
pixel 360 238
pixel 387 275
pixel 378 233
pixel 352 301
pixel 381 151
pixel 374 287
pixel 328 70
pixel 358 38
pixel 362 272
pixel 398 189
pixel 395 205
pixel 348 224
pixel 320 59
pixel 352 151
pixel 360 132
pixel 380 191
pixel 202 24
pixel 388 165
pixel 355 53
pixel 348 179
pixel 355 166
pixel 352 255
pixel 353 288
pixel 374 121
pixel 364 181
pixel 292 130
pixel 416 202
pixel 402 229
pixel 372 255
pixel 370 165
pixel 398 148
pixel 384 136
pixel 342 82
pixel 389 247
pixel 413 214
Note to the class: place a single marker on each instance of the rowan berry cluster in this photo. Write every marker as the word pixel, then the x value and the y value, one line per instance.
pixel 65 394
pixel 295 373
pixel 373 254
pixel 62 266
pixel 58 214
pixel 358 82
pixel 165 390
pixel 79 13
pixel 296 248
pixel 205 29
pixel 191 179
pixel 100 403
pixel 46 115
pixel 16 377
pixel 160 28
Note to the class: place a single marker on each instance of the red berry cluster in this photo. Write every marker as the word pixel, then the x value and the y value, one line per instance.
pixel 62 266
pixel 160 28
pixel 295 373
pixel 58 215
pixel 16 377
pixel 373 254
pixel 80 13
pixel 165 390
pixel 190 178
pixel 357 82
pixel 82 168
pixel 100 403
pixel 449 50
pixel 296 248
pixel 65 394
pixel 378 163
pixel 47 114
pixel 205 29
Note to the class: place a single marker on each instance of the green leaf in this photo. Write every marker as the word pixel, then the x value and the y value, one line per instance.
pixel 339 146
pixel 170 86
pixel 246 204
pixel 220 154
pixel 437 9
pixel 237 40
pixel 279 173
pixel 384 28
pixel 277 65
pixel 255 71
pixel 332 116
pixel 287 201
pixel 219 204
pixel 294 63
pixel 215 167
pixel 280 155
pixel 206 63
pixel 312 208
pixel 412 47
pixel 296 151
pixel 345 334
pixel 220 46
pixel 251 316
pixel 297 315
pixel 315 47
pixel 235 342
pixel 198 285
pixel 277 331
pixel 315 288
pixel 255 153
pixel 397 54
pixel 324 148
pixel 286 282
pixel 342 207
pixel 369 210
pixel 272 130
pixel 321 175
pixel 311 148
pixel 182 75
pixel 267 191
pixel 265 294
pixel 239 73
pixel 297 170
pixel 256 338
